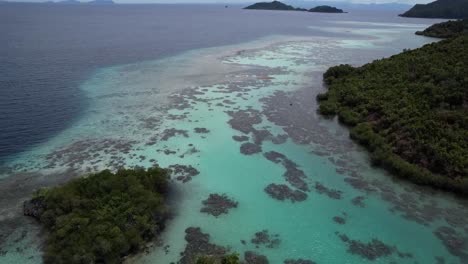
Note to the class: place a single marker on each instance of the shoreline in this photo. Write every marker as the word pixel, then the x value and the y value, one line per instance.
pixel 220 179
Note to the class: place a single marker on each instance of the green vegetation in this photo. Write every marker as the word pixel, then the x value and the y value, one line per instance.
pixel 103 217
pixel 326 9
pixel 275 5
pixel 446 29
pixel 229 259
pixel 410 111
pixel 440 9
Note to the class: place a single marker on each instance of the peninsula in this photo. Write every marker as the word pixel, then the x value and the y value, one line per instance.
pixel 446 29
pixel 410 111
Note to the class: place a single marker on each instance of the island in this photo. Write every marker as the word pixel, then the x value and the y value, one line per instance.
pixel 326 9
pixel 76 2
pixel 410 111
pixel 446 29
pixel 102 217
pixel 275 5
pixel 454 9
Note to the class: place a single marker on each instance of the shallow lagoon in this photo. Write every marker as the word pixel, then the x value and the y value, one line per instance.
pixel 148 113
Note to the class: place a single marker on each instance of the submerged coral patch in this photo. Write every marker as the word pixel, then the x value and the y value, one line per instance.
pixel 244 120
pixel 293 175
pixel 172 132
pixel 299 261
pixel 201 130
pixel 339 220
pixel 265 238
pixel 217 204
pixel 183 173
pixel 283 192
pixel 198 243
pixel 250 148
pixel 240 138
pixel 373 249
pixel 332 193
pixel 456 244
pixel 251 257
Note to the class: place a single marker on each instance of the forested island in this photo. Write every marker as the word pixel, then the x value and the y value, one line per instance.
pixel 440 9
pixel 103 217
pixel 275 5
pixel 326 9
pixel 446 29
pixel 410 111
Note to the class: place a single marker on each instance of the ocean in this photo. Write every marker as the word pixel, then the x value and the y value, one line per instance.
pixel 230 92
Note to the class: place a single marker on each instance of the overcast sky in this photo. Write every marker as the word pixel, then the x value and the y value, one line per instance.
pixel 246 1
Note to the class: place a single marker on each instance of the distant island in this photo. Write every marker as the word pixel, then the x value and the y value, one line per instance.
pixel 410 111
pixel 446 29
pixel 326 9
pixel 76 2
pixel 455 9
pixel 275 5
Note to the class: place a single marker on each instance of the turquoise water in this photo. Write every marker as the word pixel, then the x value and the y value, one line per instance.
pixel 275 79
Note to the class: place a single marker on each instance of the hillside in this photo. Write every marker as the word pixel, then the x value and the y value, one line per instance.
pixel 454 9
pixel 275 5
pixel 446 29
pixel 410 111
pixel 326 9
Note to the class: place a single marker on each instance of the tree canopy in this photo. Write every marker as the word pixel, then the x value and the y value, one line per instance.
pixel 439 9
pixel 446 29
pixel 275 5
pixel 102 217
pixel 409 110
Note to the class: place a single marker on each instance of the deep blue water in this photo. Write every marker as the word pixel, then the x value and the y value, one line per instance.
pixel 46 51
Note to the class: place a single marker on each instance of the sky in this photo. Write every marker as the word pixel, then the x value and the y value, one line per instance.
pixel 248 1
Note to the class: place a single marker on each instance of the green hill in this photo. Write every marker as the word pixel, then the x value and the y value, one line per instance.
pixel 326 9
pixel 440 9
pixel 275 5
pixel 446 29
pixel 410 111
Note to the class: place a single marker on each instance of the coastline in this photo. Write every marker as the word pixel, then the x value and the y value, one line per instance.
pixel 275 71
